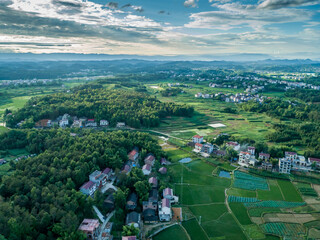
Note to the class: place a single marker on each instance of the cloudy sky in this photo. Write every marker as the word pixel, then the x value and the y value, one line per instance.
pixel 281 28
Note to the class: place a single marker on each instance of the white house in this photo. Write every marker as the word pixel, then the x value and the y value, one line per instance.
pixel 197 139
pixel 236 146
pixel 246 159
pixel 104 123
pixel 120 124
pixel 165 213
pixel 198 147
pixel 285 165
pixel 146 169
pixel 207 148
pixel 252 150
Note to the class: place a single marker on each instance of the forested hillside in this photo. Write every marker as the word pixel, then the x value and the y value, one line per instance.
pixel 136 109
pixel 40 200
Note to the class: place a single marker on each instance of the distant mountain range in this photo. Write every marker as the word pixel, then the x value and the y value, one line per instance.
pixel 30 57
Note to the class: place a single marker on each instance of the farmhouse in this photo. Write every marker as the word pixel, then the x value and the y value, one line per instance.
pixel 266 165
pixel 133 155
pixel 2 161
pixel 108 173
pixel 163 170
pixel 163 161
pixel 99 178
pixel 315 161
pixel 234 145
pixel 133 218
pixel 109 202
pixel 120 124
pixel 167 193
pixel 91 123
pixel 285 165
pixel 246 159
pixel 207 148
pixel 264 156
pixel 197 139
pixel 91 228
pixel 165 213
pixel 44 123
pixel 150 216
pixel 198 147
pixel 88 188
pixel 153 181
pixel 104 123
pixel 132 201
pixel 153 195
pixel 146 169
pixel 150 159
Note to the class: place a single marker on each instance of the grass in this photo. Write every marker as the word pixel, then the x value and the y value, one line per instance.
pixel 273 194
pixel 289 191
pixel 224 228
pixel 209 212
pixel 241 192
pixel 194 230
pixel 254 231
pixel 257 212
pixel 174 232
pixel 177 154
pixel 191 177
pixel 3 129
pixel 241 213
pixel 191 194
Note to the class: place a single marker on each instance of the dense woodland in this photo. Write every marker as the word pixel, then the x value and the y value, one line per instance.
pixel 40 200
pixel 136 109
pixel 305 95
pixel 300 126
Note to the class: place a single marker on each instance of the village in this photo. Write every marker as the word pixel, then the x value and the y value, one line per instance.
pixel 158 208
pixel 248 157
pixel 72 121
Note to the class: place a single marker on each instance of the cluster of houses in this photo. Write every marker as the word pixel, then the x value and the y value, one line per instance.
pixel 94 230
pixel 72 121
pixel 205 149
pixel 97 180
pixel 291 160
pixel 201 95
pixel 240 97
pixel 179 85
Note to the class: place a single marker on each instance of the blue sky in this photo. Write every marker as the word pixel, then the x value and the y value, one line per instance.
pixel 280 28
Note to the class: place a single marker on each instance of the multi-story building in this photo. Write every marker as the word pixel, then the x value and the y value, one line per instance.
pixel 285 165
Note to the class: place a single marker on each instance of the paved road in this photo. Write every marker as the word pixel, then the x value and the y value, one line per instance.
pixel 105 223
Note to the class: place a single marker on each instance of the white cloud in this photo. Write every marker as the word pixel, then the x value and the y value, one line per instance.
pixel 236 15
pixel 191 3
pixel 277 4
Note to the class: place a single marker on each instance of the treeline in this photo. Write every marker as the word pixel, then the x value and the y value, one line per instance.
pixel 136 109
pixel 170 92
pixel 278 108
pixel 303 134
pixel 306 95
pixel 40 200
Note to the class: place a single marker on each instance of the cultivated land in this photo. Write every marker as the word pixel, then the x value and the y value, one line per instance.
pixel 204 195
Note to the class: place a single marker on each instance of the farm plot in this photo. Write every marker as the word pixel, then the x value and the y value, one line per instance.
pixel 257 212
pixel 274 204
pixel 241 192
pixel 249 182
pixel 306 189
pixel 288 217
pixel 174 232
pixel 177 154
pixel 289 191
pixel 241 213
pixel 288 230
pixel 223 228
pixel 192 194
pixel 209 212
pixel 194 230
pixel 236 199
pixel 273 194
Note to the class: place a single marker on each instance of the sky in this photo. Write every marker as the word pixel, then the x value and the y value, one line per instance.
pixel 279 28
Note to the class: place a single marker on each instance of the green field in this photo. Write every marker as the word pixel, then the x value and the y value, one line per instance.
pixel 177 154
pixel 273 194
pixel 224 228
pixel 194 230
pixel 241 213
pixel 242 192
pixel 289 191
pixel 174 232
pixel 192 194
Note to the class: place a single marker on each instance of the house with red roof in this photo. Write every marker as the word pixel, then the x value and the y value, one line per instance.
pixel 165 213
pixel 88 188
pixel 234 145
pixel 153 181
pixel 146 169
pixel 198 147
pixel 133 155
pixel 197 139
pixel 91 228
pixel 163 170
pixel 167 193
pixel 150 159
pixel 264 156
pixel 314 160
